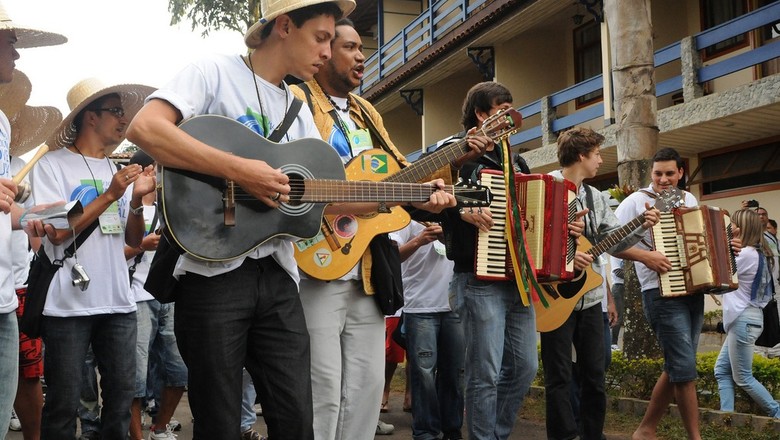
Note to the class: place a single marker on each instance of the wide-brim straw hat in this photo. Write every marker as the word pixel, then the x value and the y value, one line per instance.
pixel 28 37
pixel 270 9
pixel 84 93
pixel 31 127
pixel 14 95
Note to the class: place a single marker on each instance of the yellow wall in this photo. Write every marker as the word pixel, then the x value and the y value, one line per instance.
pixel 404 127
pixel 443 104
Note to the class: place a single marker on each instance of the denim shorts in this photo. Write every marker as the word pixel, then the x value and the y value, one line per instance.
pixel 676 322
pixel 156 339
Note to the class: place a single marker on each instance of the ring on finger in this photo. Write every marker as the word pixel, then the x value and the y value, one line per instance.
pixel 276 197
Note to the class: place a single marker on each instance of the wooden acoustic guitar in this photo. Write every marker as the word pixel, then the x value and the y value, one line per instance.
pixel 216 220
pixel 563 296
pixel 343 239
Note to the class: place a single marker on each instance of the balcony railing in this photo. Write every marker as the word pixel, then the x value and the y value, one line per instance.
pixel 438 20
pixel 768 14
pixel 686 51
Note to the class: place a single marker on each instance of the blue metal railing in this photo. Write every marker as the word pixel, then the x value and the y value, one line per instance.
pixel 438 20
pixel 444 15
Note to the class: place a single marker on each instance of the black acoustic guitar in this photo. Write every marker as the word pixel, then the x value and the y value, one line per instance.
pixel 213 219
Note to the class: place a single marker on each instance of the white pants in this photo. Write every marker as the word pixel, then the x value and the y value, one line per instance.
pixel 347 334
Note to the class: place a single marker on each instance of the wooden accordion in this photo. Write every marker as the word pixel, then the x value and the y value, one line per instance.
pixel 697 243
pixel 548 205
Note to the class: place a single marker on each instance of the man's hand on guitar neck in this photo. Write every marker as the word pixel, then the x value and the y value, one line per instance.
pixel 438 201
pixel 478 144
pixel 652 216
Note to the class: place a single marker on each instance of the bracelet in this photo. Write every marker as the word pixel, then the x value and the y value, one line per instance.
pixel 137 211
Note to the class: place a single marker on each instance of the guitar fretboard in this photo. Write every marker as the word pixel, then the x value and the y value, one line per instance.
pixel 325 191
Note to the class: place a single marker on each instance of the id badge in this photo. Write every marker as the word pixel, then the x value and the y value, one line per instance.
pixel 360 141
pixel 110 222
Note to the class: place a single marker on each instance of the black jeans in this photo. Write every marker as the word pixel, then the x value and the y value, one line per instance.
pixel 250 317
pixel 584 329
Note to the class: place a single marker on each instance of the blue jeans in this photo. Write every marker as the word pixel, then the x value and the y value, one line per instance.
pixel 250 317
pixel 501 359
pixel 89 405
pixel 67 340
pixel 676 322
pixel 436 357
pixel 9 367
pixel 585 330
pixel 248 397
pixel 735 363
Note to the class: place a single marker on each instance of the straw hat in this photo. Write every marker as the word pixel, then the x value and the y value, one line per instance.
pixel 27 37
pixel 15 94
pixel 31 126
pixel 83 93
pixel 270 9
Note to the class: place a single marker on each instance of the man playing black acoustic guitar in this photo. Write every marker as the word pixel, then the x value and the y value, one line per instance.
pixel 245 311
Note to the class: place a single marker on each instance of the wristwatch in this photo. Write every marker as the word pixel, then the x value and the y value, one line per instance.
pixel 137 211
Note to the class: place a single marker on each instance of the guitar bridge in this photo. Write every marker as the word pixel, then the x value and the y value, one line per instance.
pixel 229 203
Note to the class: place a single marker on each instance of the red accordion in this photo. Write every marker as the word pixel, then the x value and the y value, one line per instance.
pixel 547 205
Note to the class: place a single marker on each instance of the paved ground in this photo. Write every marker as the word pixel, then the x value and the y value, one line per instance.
pixel 524 429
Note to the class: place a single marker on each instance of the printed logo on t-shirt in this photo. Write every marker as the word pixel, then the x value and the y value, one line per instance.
pixel 256 122
pixel 339 142
pixel 86 193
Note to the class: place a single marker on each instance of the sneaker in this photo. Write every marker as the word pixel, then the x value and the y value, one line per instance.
pixel 251 434
pixel 175 425
pixel 166 435
pixel 383 428
pixel 15 424
pixel 258 409
pixel 615 347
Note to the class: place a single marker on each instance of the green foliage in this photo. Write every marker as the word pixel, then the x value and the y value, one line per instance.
pixel 635 378
pixel 215 14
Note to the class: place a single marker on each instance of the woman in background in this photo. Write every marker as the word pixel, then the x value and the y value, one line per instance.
pixel 743 318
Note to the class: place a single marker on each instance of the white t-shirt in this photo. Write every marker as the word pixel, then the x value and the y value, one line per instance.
pixel 629 209
pixel 735 302
pixel 21 255
pixel 65 175
pixel 8 302
pixel 224 85
pixel 142 268
pixel 426 273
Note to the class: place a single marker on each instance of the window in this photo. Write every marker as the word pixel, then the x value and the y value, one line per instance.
pixel 733 169
pixel 587 58
pixel 715 12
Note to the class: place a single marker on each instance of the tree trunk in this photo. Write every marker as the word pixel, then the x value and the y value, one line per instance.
pixel 631 44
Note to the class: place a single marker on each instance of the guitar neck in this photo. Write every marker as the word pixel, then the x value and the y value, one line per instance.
pixel 332 191
pixel 429 164
pixel 615 237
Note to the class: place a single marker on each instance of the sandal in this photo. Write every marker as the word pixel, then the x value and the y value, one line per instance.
pixel 384 408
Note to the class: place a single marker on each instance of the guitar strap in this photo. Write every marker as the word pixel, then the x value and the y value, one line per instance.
pixel 525 277
pixel 289 117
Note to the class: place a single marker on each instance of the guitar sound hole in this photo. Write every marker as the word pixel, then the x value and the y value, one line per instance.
pixel 297 187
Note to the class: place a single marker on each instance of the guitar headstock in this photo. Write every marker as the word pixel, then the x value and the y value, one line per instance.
pixel 471 195
pixel 669 199
pixel 502 124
